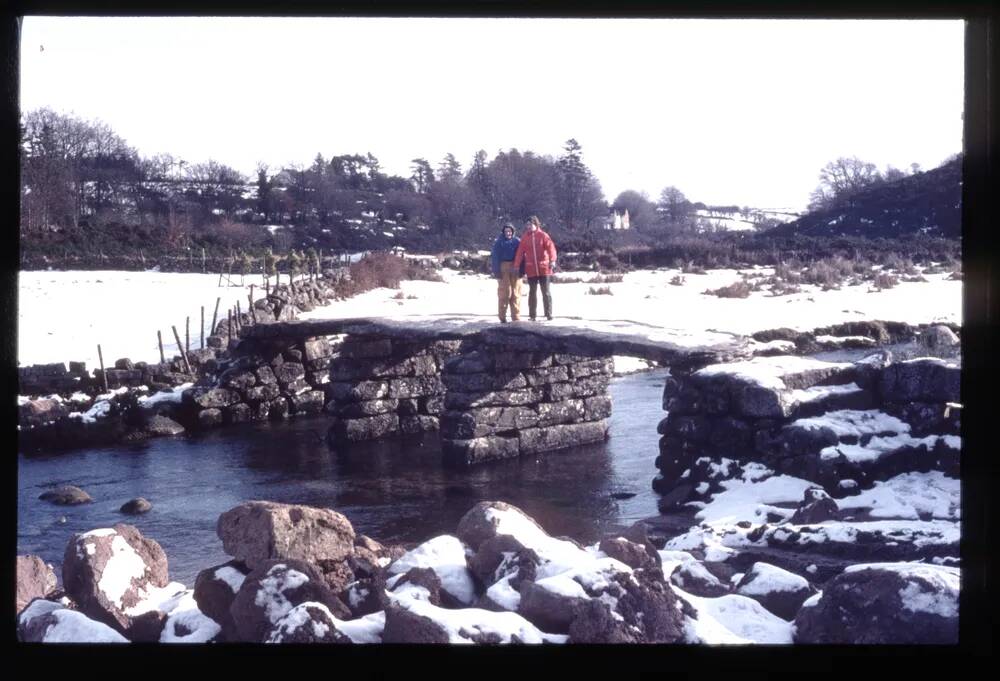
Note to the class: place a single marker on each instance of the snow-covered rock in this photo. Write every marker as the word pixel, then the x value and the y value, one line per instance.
pixel 446 555
pixel 899 603
pixel 50 622
pixel 780 591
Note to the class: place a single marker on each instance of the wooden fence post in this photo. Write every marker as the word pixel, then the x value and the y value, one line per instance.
pixel 239 315
pixel 215 315
pixel 229 325
pixel 203 270
pixel 159 341
pixel 202 327
pixel 187 334
pixel 104 374
pixel 177 337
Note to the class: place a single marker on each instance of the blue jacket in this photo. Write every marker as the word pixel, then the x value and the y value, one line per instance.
pixel 503 249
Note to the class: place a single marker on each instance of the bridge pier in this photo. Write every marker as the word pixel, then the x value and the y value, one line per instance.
pixel 502 403
pixel 382 387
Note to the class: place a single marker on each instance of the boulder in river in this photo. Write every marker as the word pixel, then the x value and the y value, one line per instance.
pixel 66 495
pixel 257 531
pixel 136 506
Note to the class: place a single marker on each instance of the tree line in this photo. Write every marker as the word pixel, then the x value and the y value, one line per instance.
pixel 83 185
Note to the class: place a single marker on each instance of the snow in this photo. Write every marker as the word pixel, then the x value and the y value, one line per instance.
pixel 629 365
pixel 910 495
pixel 461 625
pixel 768 579
pixel 367 629
pixel 557 555
pixel 840 340
pixel 70 626
pixel 767 371
pixel 61 315
pixel 270 595
pixel 122 567
pixel 854 423
pixel 733 619
pixel 165 599
pixel 446 556
pixel 741 497
pixel 504 595
pixel 57 318
pixel 172 395
pixel 876 448
pixel 231 576
pixel 98 411
pixel 297 618
pixel 562 585
pixel 820 392
pixel 813 600
pixel 671 559
pixel 185 613
pixel 941 599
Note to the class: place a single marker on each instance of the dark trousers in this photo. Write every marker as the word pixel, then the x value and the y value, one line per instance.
pixel 533 283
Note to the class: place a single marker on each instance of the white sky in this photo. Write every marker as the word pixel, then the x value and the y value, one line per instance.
pixel 729 111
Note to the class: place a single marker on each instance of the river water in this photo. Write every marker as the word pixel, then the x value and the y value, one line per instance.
pixel 394 491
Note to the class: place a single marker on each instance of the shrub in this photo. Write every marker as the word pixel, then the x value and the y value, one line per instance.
pixel 691 268
pixel 606 279
pixel 678 280
pixel 602 291
pixel 884 280
pixel 566 280
pixel 740 289
pixel 400 295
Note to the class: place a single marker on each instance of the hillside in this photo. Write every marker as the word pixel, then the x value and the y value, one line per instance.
pixel 928 203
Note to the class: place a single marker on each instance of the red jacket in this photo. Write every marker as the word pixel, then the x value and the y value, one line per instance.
pixel 537 252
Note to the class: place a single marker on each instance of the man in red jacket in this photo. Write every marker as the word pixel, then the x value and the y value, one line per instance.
pixel 538 254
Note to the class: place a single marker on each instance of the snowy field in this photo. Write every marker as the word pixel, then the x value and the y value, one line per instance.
pixel 647 298
pixel 62 316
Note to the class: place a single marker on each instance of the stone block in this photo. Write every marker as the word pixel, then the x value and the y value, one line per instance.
pixel 555 374
pixel 209 417
pixel 366 349
pixel 474 362
pixel 366 408
pixel 289 372
pixel 237 413
pixel 477 450
pixel 484 382
pixel 315 348
pixel 597 407
pixel 521 360
pixel 507 398
pixel 417 386
pixel 585 387
pixel 367 428
pixel 413 425
pixel 535 440
pixel 566 411
pixel 432 406
pixel 408 407
pixel 262 393
pixel 310 402
pixel 343 391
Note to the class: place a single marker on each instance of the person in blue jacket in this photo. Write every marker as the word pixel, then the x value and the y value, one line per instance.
pixel 508 277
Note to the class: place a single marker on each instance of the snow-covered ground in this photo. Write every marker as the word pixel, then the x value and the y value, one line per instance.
pixel 647 297
pixel 62 316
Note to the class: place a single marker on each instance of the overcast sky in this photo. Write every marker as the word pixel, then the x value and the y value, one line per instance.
pixel 729 111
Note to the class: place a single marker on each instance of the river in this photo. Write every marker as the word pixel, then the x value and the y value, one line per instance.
pixel 394 491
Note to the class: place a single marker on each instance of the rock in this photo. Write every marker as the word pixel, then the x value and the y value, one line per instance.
pixel 414 425
pixel 40 412
pixel 481 521
pixel 403 626
pixel 50 622
pixel 367 428
pixel 650 611
pixel 257 531
pixel 632 554
pixel 816 507
pixel 272 590
pixel 476 450
pixel 307 623
pixel 364 408
pixel 265 376
pixel 779 591
pixel 163 426
pixel 211 398
pixel 878 603
pixel 316 348
pixel 696 579
pixel 554 609
pixel 136 506
pixel 289 372
pixel 35 579
pixel 237 413
pixel 124 363
pixel 921 380
pixel 215 590
pixel 66 495
pixel 310 402
pixel 134 565
pixel 337 574
pixel 939 337
pixel 535 440
pixel 237 379
pixel 422 583
pixel 490 554
pixel 365 596
pixel 209 417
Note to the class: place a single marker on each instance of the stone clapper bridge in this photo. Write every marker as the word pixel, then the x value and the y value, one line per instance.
pixel 493 391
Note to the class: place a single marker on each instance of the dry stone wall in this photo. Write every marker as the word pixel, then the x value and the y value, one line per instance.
pixel 841 425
